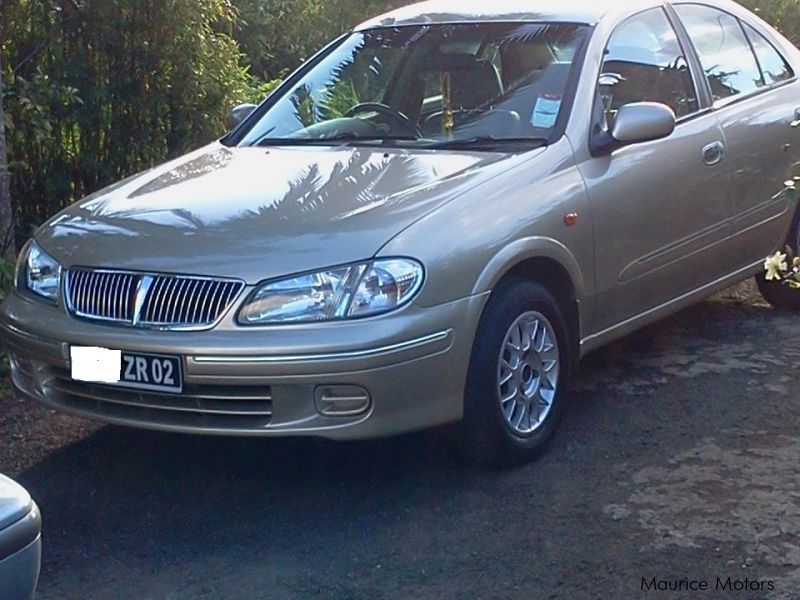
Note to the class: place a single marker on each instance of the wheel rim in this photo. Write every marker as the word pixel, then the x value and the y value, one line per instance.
pixel 527 375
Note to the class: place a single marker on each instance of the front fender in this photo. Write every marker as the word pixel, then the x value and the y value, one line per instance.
pixel 537 247
pixel 525 249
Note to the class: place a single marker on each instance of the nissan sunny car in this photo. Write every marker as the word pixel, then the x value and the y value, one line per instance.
pixel 429 223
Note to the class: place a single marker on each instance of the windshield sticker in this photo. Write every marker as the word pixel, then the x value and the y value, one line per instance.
pixel 545 113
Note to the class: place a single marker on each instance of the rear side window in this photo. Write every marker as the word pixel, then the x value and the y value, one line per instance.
pixel 645 63
pixel 774 67
pixel 724 51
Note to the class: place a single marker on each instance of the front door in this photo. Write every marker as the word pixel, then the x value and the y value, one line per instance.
pixel 661 209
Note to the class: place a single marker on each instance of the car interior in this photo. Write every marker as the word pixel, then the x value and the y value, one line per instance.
pixel 491 90
pixel 459 82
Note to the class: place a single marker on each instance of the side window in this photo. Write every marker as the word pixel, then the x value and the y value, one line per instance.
pixel 723 49
pixel 645 63
pixel 774 67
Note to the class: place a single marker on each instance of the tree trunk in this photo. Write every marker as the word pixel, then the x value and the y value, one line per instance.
pixel 7 247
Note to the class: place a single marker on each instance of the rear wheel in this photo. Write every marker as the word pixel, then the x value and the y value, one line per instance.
pixel 777 293
pixel 519 376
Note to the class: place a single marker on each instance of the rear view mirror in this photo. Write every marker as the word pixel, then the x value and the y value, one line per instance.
pixel 642 122
pixel 239 114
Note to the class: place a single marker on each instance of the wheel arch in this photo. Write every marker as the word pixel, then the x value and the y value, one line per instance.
pixel 550 264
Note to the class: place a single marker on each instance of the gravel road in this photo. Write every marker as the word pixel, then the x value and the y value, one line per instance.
pixel 678 460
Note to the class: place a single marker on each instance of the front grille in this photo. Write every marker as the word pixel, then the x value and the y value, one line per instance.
pixel 102 294
pixel 247 408
pixel 149 300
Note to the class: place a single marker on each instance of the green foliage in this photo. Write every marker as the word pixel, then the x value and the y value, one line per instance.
pixel 98 89
pixel 783 14
pixel 278 35
pixel 258 90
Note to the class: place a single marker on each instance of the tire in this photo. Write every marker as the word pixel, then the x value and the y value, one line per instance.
pixel 489 433
pixel 778 294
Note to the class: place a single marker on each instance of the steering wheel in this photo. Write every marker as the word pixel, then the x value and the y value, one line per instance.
pixel 395 115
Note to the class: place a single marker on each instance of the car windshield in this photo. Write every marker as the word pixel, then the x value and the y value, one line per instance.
pixel 472 85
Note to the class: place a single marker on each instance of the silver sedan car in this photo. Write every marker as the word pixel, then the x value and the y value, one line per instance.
pixel 20 542
pixel 429 223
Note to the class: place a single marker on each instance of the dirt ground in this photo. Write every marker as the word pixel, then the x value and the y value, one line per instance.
pixel 678 460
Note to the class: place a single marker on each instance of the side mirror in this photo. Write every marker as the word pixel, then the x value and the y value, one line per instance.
pixel 239 114
pixel 642 122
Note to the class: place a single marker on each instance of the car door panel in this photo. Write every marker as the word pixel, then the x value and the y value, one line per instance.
pixel 664 257
pixel 661 209
pixel 755 102
pixel 762 151
pixel 661 217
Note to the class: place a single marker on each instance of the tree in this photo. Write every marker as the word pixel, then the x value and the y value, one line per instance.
pixel 97 90
pixel 6 213
pixel 783 14
pixel 278 35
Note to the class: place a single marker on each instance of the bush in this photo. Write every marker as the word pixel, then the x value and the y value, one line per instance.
pixel 278 35
pixel 98 89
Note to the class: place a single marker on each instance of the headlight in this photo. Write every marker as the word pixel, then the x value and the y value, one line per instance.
pixel 39 273
pixel 362 290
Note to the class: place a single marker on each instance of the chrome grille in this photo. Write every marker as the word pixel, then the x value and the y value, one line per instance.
pixel 102 295
pixel 149 300
pixel 187 301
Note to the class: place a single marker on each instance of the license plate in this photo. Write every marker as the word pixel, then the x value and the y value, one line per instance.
pixel 152 372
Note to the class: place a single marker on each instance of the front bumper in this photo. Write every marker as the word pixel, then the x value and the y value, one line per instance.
pixel 410 365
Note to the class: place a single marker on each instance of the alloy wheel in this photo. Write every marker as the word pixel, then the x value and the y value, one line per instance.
pixel 527 374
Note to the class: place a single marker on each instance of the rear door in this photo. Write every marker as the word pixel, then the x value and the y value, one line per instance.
pixel 756 98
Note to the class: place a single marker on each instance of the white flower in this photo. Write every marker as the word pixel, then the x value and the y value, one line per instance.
pixel 775 265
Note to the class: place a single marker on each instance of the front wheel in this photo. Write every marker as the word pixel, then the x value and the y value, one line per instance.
pixel 777 293
pixel 519 376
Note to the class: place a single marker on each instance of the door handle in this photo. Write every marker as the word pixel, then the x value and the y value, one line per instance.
pixel 713 153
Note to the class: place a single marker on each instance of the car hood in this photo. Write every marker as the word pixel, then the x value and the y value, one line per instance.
pixel 258 213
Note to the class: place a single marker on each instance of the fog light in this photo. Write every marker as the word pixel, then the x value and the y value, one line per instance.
pixel 342 400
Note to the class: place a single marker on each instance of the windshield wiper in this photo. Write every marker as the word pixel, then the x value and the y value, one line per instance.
pixel 489 142
pixel 334 140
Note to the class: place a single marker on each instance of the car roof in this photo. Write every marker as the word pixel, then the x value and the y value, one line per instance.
pixel 587 12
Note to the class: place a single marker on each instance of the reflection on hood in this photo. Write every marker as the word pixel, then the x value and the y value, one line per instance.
pixel 224 205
